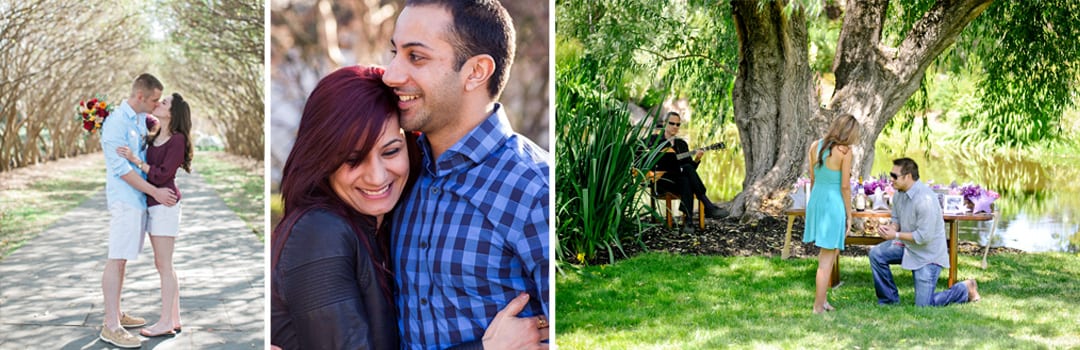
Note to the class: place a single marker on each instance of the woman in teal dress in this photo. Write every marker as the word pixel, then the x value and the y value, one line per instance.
pixel 828 213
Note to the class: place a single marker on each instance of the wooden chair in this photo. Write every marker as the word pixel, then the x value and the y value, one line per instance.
pixel 653 176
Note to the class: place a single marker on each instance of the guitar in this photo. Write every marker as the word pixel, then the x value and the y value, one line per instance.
pixel 684 155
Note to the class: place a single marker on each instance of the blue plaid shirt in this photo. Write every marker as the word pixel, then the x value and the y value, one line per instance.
pixel 471 235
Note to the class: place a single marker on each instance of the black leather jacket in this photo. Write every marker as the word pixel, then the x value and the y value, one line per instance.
pixel 326 290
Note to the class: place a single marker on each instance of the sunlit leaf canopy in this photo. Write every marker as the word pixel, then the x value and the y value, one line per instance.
pixel 684 50
pixel 214 52
pixel 55 53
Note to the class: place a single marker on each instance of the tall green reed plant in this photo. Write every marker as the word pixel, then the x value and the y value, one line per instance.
pixel 599 148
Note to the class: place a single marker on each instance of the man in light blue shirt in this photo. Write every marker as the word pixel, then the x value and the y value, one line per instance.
pixel 125 191
pixel 916 241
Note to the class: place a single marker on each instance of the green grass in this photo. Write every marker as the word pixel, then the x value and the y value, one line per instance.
pixel 664 301
pixel 240 187
pixel 26 211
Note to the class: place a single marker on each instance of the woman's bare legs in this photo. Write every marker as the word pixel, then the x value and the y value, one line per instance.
pixel 826 259
pixel 170 289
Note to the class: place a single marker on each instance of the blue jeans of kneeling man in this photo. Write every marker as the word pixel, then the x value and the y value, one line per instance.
pixel 888 253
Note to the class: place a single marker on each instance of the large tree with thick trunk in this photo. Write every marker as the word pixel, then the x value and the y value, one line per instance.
pixel 777 109
pixel 785 69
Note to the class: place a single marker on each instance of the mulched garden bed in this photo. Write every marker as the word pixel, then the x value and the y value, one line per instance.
pixel 728 237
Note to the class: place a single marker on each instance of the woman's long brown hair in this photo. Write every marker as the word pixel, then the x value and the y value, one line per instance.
pixel 844 130
pixel 181 124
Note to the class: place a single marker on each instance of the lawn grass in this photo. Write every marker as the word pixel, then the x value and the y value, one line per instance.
pixel 239 182
pixel 666 301
pixel 40 199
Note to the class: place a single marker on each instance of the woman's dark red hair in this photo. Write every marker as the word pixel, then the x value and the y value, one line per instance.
pixel 349 107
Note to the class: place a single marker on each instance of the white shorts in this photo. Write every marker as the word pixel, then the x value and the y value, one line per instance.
pixel 163 221
pixel 126 226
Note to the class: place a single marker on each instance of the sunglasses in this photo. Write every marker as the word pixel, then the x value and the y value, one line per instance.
pixel 674 124
pixel 894 175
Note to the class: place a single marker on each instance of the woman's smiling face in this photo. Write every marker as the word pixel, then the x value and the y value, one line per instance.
pixel 372 185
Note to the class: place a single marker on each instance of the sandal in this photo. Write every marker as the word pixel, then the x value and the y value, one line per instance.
pixel 168 333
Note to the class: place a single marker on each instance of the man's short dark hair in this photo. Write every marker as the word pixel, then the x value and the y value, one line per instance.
pixel 480 27
pixel 147 82
pixel 907 166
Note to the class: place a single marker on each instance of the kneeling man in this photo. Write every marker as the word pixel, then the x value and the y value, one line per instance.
pixel 916 241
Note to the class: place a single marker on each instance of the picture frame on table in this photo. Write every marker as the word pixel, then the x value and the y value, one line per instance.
pixel 953 204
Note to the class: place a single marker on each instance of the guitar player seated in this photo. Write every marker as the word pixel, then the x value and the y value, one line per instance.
pixel 680 167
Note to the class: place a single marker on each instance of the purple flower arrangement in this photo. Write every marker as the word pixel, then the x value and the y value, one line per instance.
pixel 872 186
pixel 981 199
pixel 971 192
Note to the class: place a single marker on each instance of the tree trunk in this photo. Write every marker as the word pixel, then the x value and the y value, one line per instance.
pixel 775 105
pixel 772 99
pixel 873 81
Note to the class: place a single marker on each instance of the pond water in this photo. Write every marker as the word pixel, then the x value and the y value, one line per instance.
pixel 1039 206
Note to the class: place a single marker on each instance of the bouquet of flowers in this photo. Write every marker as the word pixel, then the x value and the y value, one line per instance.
pixel 92 114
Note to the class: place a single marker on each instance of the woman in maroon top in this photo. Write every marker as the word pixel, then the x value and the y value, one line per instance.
pixel 167 150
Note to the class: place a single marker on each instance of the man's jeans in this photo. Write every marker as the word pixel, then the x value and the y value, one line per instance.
pixel 888 252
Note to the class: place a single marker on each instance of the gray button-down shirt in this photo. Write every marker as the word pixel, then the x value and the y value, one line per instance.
pixel 918 211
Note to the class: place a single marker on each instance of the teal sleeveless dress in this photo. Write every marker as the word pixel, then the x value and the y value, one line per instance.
pixel 826 220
